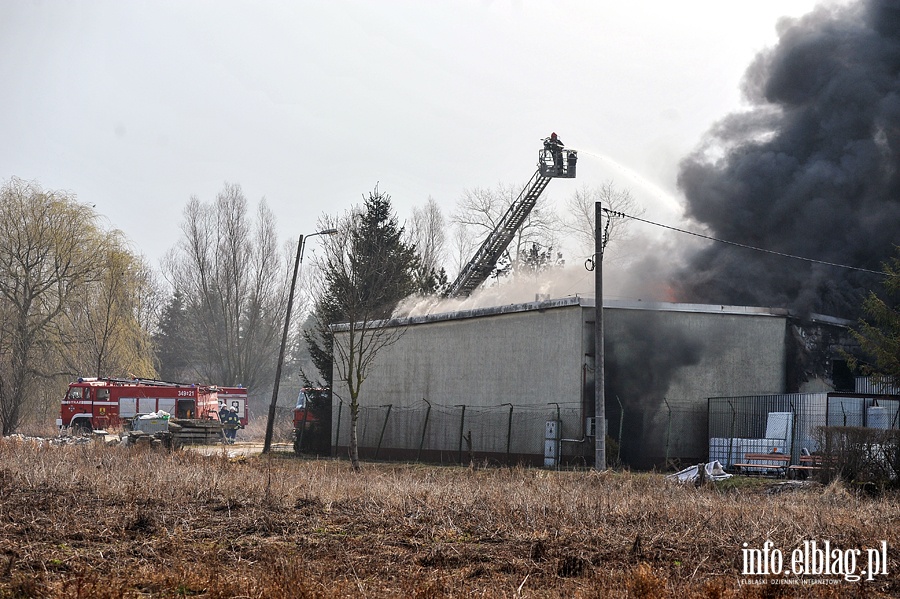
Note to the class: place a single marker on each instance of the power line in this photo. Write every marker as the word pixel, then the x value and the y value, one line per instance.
pixel 742 245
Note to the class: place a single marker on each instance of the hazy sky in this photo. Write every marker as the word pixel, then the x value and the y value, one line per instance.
pixel 136 106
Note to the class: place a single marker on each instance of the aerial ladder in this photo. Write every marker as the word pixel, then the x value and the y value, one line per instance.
pixel 555 161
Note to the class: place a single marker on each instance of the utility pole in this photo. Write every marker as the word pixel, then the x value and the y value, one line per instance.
pixel 599 376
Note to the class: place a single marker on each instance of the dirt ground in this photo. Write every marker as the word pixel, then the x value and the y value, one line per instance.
pixel 95 521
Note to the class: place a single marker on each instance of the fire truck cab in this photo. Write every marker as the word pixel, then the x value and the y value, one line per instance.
pixel 92 403
pixel 308 407
pixel 312 421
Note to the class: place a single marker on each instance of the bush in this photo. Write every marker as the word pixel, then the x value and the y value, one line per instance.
pixel 868 456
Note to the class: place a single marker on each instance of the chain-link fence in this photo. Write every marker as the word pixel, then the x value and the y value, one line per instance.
pixel 460 433
pixel 664 435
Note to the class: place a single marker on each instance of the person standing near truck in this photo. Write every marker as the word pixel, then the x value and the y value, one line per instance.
pixel 231 422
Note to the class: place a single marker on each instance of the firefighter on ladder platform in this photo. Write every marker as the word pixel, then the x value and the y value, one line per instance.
pixel 554 145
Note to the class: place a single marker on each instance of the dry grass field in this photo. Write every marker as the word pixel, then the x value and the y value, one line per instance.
pixel 96 521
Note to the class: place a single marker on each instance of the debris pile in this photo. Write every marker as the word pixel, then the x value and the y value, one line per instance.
pixel 153 430
pixel 699 473
pixel 160 429
pixel 50 441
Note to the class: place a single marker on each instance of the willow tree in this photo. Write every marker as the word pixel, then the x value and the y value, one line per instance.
pixel 50 246
pixel 366 269
pixel 108 332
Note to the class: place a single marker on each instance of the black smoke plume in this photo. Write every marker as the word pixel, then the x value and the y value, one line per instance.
pixel 644 351
pixel 810 169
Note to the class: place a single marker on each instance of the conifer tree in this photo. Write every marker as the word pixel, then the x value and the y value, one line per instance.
pixel 879 330
pixel 367 268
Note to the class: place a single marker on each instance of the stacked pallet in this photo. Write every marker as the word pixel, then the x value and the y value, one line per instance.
pixel 195 432
pixel 175 432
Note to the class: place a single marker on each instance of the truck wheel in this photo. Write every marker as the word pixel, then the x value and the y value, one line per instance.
pixel 82 428
pixel 297 449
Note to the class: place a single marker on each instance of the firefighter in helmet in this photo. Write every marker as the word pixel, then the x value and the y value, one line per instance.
pixel 554 145
pixel 231 422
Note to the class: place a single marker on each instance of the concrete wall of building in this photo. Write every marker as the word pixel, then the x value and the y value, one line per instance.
pixel 529 359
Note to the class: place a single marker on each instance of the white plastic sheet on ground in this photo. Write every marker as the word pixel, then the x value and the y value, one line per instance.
pixel 714 471
pixel 152 415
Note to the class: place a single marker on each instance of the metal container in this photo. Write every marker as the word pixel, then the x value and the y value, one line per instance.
pixel 150 425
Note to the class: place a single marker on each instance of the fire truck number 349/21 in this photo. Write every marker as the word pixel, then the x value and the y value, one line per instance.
pixel 94 403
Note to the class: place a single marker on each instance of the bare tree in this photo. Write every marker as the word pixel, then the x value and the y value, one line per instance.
pixel 49 247
pixel 150 294
pixel 480 210
pixel 232 275
pixel 581 209
pixel 427 234
pixel 366 269
pixel 463 247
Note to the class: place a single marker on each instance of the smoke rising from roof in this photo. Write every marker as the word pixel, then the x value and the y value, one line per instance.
pixel 809 169
pixel 553 283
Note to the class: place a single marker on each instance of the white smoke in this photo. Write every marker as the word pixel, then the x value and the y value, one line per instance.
pixel 555 283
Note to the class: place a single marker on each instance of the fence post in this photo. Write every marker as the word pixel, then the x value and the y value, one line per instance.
pixel 795 451
pixel 508 429
pixel 383 426
pixel 668 431
pixel 731 435
pixel 424 428
pixel 462 424
pixel 621 424
pixel 337 429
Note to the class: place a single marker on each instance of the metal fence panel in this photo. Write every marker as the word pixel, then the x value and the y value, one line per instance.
pixel 755 423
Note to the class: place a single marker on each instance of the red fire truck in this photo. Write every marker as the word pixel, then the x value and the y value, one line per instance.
pixel 92 403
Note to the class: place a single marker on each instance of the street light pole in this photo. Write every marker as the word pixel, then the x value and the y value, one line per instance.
pixel 301 244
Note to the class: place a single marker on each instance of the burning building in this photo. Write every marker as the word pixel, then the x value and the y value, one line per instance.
pixel 484 383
